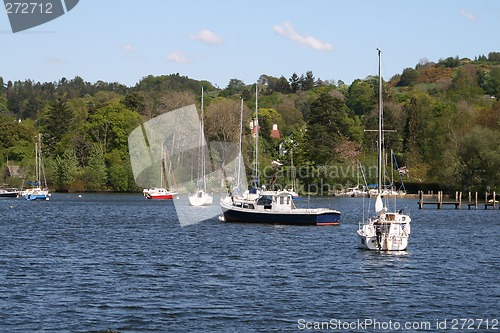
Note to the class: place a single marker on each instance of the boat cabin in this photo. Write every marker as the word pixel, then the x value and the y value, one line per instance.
pixel 270 200
pixel 276 201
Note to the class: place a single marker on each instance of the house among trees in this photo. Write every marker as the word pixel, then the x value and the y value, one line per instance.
pixel 275 132
pixel 254 127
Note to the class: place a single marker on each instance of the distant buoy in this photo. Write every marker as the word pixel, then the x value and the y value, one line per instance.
pixel 79 195
pixel 11 206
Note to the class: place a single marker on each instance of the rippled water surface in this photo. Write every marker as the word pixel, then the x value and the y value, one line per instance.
pixel 122 263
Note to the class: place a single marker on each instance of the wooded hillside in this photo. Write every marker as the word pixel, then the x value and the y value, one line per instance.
pixel 446 118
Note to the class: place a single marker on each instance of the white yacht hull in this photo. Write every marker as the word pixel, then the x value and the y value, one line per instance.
pixel 201 198
pixel 388 232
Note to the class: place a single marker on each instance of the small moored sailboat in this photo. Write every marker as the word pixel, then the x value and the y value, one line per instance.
pixel 37 192
pixel 161 193
pixel 201 197
pixel 387 231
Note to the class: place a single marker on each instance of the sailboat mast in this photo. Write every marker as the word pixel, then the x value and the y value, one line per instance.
pixel 37 168
pixel 256 137
pixel 202 135
pixel 238 174
pixel 163 164
pixel 379 121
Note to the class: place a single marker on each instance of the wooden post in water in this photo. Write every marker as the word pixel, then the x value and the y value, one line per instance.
pixel 493 202
pixel 459 201
pixel 470 203
pixel 440 200
pixel 420 199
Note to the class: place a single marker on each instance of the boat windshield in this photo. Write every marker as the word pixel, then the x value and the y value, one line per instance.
pixel 265 200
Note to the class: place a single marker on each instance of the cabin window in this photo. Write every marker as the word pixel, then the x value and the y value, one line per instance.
pixel 282 200
pixel 249 206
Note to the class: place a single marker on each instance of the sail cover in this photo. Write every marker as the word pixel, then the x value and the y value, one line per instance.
pixel 379 205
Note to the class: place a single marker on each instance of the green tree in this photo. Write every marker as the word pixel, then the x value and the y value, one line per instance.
pixel 408 78
pixel 118 177
pixel 110 125
pixel 56 122
pixel 464 85
pixel 361 97
pixel 416 137
pixel 492 84
pixel 494 57
pixel 95 173
pixel 282 86
pixel 307 82
pixel 480 159
pixel 294 82
pixel 328 126
pixel 234 87
pixel 450 62
pixel 65 169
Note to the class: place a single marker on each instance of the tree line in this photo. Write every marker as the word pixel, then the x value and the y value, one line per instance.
pixel 445 117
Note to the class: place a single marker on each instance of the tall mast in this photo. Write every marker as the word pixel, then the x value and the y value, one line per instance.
pixel 379 121
pixel 256 137
pixel 238 174
pixel 37 168
pixel 202 135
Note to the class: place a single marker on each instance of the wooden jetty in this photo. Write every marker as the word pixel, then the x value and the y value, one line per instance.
pixel 439 202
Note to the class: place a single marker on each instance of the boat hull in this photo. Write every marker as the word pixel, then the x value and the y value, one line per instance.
pixel 387 243
pixel 201 199
pixel 32 197
pixel 326 218
pixel 161 196
pixel 390 237
pixel 9 194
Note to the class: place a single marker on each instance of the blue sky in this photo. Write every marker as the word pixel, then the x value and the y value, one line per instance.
pixel 123 41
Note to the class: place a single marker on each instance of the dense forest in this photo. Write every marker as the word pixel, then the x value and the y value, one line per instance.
pixel 445 117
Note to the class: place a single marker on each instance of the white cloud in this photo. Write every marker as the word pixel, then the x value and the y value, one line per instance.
pixel 127 48
pixel 208 37
pixel 469 16
pixel 177 57
pixel 286 30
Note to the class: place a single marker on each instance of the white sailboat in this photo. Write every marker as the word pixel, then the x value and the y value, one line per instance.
pixel 386 231
pixel 201 197
pixel 37 192
pixel 161 193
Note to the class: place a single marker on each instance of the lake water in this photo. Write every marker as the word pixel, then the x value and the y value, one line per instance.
pixel 120 263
